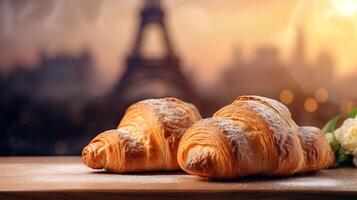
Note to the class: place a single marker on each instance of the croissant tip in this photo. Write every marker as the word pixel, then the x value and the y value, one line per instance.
pixel 91 156
pixel 198 162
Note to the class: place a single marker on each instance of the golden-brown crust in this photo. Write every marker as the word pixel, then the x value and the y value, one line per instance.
pixel 261 138
pixel 213 142
pixel 317 151
pixel 146 139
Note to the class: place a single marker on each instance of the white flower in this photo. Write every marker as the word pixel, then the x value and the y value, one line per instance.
pixel 329 137
pixel 347 136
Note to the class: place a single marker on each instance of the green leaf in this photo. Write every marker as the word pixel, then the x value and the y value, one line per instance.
pixel 331 125
pixel 352 113
pixel 343 159
pixel 335 145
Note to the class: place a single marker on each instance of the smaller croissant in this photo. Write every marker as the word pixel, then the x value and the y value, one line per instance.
pixel 147 137
pixel 253 135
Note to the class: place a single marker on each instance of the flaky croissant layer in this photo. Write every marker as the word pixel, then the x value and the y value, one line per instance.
pixel 146 139
pixel 253 135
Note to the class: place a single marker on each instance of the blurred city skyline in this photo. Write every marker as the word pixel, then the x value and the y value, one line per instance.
pixel 205 33
pixel 69 69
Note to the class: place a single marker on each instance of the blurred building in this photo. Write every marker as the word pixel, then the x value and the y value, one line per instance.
pixel 41 107
pixel 304 87
pixel 59 78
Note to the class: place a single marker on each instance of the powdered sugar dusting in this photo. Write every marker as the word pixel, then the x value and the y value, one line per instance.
pixel 273 105
pixel 131 145
pixel 273 120
pixel 236 138
pixel 284 136
pixel 173 116
pixel 239 146
pixel 312 182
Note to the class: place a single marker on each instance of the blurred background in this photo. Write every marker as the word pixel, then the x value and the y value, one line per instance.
pixel 69 69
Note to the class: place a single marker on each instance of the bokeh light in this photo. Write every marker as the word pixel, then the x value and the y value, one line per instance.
pixel 321 95
pixel 287 96
pixel 61 147
pixel 310 105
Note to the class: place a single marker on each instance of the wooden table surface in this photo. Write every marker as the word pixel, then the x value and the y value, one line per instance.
pixel 68 178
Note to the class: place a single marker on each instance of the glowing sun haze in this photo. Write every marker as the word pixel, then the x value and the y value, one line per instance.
pixel 346 7
pixel 330 25
pixel 204 32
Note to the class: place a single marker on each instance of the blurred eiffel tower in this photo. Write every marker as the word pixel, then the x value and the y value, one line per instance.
pixel 153 77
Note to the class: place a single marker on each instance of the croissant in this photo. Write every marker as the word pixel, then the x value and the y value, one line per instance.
pixel 253 135
pixel 146 139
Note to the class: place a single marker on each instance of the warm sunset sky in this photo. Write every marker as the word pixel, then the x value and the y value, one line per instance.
pixel 204 32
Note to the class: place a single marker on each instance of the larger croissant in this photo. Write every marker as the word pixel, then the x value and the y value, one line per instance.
pixel 253 135
pixel 147 137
